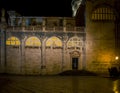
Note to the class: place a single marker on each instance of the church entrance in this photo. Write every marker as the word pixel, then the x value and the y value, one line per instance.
pixel 75 58
pixel 74 63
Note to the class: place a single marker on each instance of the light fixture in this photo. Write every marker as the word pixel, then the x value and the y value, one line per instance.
pixel 116 58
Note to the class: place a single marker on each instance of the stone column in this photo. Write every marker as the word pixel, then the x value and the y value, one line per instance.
pixel 22 50
pixel 43 24
pixel 3 26
pixel 43 55
pixel 23 23
pixel 63 52
pixel 3 52
pixel 64 24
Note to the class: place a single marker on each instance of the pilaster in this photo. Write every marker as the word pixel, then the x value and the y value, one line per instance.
pixel 3 52
pixel 43 55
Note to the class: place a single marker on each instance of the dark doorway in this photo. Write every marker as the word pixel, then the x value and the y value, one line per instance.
pixel 75 63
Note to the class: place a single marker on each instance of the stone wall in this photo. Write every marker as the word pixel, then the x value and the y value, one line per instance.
pixel 53 61
pixel 100 42
pixel 32 61
pixel 13 60
pixel 42 59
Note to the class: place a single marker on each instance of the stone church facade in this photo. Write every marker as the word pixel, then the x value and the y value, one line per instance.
pixel 50 45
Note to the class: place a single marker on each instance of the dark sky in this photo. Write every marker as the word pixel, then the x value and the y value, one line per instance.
pixel 38 7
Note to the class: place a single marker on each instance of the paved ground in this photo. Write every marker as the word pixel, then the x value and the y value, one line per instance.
pixel 58 84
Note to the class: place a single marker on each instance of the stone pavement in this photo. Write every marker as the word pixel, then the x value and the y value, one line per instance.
pixel 58 84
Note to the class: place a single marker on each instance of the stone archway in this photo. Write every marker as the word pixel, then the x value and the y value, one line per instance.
pixel 32 56
pixel 53 55
pixel 13 55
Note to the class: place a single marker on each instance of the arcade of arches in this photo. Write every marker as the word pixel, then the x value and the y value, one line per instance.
pixel 36 56
pixel 49 45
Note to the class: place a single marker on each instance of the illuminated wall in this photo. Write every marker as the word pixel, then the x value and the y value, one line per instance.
pixel 31 51
pixel 73 45
pixel 100 36
pixel 54 42
pixel 32 62
pixel 75 42
pixel 13 41
pixel 33 55
pixel 53 55
pixel 13 55
pixel 103 13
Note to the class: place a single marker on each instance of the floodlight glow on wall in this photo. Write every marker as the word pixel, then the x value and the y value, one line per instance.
pixel 116 58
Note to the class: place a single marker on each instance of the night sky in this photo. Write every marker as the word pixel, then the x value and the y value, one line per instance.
pixel 39 7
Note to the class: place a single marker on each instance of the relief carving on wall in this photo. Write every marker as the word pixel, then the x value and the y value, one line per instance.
pixel 75 54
